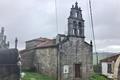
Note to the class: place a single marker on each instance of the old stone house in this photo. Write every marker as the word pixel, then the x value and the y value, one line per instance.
pixel 40 54
pixel 68 57
pixel 110 67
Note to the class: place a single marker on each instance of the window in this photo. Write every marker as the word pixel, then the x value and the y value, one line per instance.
pixel 74 28
pixel 109 69
pixel 80 24
pixel 76 15
pixel 78 71
pixel 79 28
pixel 74 24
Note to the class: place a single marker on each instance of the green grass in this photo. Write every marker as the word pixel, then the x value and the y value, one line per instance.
pixel 98 77
pixel 36 76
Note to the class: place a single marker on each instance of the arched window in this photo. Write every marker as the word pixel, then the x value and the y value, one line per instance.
pixel 74 28
pixel 74 24
pixel 78 32
pixel 76 14
pixel 74 31
pixel 79 28
pixel 79 24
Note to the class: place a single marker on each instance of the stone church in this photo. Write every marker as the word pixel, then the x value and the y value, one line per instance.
pixel 68 57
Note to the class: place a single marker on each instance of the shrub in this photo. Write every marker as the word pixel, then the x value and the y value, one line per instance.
pixel 97 68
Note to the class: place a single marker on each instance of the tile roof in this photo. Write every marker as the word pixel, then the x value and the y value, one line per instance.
pixel 44 42
pixel 111 58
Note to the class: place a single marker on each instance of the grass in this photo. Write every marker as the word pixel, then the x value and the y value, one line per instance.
pixel 98 77
pixel 35 76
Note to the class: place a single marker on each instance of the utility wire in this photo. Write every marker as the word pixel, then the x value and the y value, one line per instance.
pixel 56 14
pixel 57 48
pixel 93 33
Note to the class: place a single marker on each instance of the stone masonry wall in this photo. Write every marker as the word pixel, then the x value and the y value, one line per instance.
pixel 27 58
pixel 46 61
pixel 73 52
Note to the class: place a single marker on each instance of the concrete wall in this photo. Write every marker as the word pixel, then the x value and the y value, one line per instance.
pixel 104 68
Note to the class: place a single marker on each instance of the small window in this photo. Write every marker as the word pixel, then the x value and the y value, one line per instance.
pixel 76 15
pixel 79 28
pixel 74 28
pixel 80 24
pixel 109 70
pixel 74 24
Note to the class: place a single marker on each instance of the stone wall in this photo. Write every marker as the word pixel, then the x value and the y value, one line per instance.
pixel 43 60
pixel 75 51
pixel 31 44
pixel 27 58
pixel 46 61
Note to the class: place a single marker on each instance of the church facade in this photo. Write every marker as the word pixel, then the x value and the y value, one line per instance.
pixel 68 57
pixel 75 54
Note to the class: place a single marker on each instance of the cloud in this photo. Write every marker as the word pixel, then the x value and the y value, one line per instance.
pixel 28 19
pixel 111 48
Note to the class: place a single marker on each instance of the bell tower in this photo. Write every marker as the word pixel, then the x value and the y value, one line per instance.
pixel 76 22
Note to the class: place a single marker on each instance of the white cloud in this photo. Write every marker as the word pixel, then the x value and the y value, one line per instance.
pixel 28 19
pixel 112 48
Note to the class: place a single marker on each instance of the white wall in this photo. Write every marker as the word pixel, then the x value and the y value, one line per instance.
pixel 104 68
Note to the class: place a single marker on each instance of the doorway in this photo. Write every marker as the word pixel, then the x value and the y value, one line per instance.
pixel 78 71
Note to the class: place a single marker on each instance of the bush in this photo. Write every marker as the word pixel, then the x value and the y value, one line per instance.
pixel 98 77
pixel 33 69
pixel 97 68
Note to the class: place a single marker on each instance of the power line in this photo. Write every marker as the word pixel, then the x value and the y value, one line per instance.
pixel 57 47
pixel 93 33
pixel 56 14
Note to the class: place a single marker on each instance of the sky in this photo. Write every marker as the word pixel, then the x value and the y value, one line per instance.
pixel 30 19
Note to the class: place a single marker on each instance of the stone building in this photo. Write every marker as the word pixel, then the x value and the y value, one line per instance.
pixel 75 55
pixel 3 43
pixel 110 67
pixel 68 57
pixel 40 54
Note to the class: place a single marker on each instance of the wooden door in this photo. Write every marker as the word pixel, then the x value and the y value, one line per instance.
pixel 78 71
